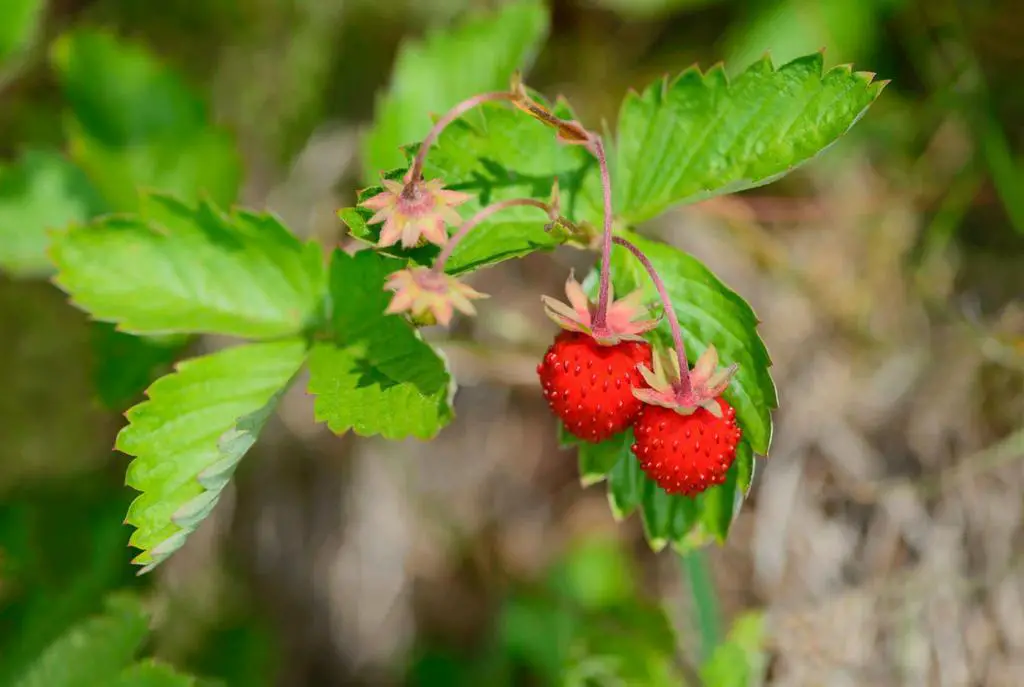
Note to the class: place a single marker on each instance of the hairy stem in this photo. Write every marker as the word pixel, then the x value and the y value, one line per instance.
pixel 601 314
pixel 476 219
pixel 415 172
pixel 670 313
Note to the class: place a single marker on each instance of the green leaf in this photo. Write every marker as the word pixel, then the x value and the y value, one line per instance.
pixel 709 313
pixel 498 154
pixel 431 76
pixel 740 661
pixel 376 375
pixel 42 191
pixel 152 674
pixel 120 94
pixel 703 135
pixel 202 166
pixel 176 268
pixel 190 435
pixel 681 521
pixel 94 652
pixel 19 24
pixel 136 124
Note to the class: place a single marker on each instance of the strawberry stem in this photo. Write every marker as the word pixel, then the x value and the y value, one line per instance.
pixel 415 172
pixel 684 386
pixel 601 314
pixel 479 217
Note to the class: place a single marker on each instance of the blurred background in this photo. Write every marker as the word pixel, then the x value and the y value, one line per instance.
pixel 883 538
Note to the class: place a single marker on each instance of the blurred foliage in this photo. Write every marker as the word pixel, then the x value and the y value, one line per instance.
pixel 100 99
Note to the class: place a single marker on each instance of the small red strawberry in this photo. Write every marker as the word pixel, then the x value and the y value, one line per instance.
pixel 589 372
pixel 686 435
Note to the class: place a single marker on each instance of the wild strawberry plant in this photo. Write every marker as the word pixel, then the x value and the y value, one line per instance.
pixel 657 373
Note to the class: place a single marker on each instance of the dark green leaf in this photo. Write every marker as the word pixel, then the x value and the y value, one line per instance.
pixel 709 313
pixel 377 375
pixel 124 365
pixel 94 652
pixel 190 435
pixel 176 268
pixel 702 135
pixel 477 55
pixel 120 94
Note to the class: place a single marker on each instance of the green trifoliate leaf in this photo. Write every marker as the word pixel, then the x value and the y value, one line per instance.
pixel 702 135
pixel 709 314
pixel 474 56
pixel 19 23
pixel 499 154
pixel 188 437
pixel 42 191
pixel 176 268
pixel 740 661
pixel 93 652
pixel 377 375
pixel 679 521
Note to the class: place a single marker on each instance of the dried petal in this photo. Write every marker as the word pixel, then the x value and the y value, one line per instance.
pixel 623 322
pixel 421 291
pixel 414 212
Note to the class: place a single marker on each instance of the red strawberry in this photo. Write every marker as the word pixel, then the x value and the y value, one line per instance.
pixel 589 373
pixel 686 454
pixel 686 435
pixel 590 386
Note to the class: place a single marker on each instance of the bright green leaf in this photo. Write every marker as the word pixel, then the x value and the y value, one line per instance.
pixel 94 652
pixel 377 375
pixel 702 135
pixel 190 435
pixel 180 269
pixel 19 24
pixel 202 166
pixel 499 154
pixel 43 191
pixel 740 661
pixel 430 76
pixel 709 313
pixel 121 94
pixel 152 674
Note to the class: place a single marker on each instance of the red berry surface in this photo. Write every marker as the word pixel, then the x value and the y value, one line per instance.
pixel 686 454
pixel 590 386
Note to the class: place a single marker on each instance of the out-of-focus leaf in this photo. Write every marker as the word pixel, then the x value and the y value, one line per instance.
pixel 152 674
pixel 42 191
pixel 740 661
pixel 178 269
pixel 124 364
pixel 204 166
pixel 847 29
pixel 191 433
pixel 120 94
pixel 430 76
pixel 376 375
pixel 646 9
pixel 19 23
pixel 94 652
pixel 702 135
pixel 137 125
